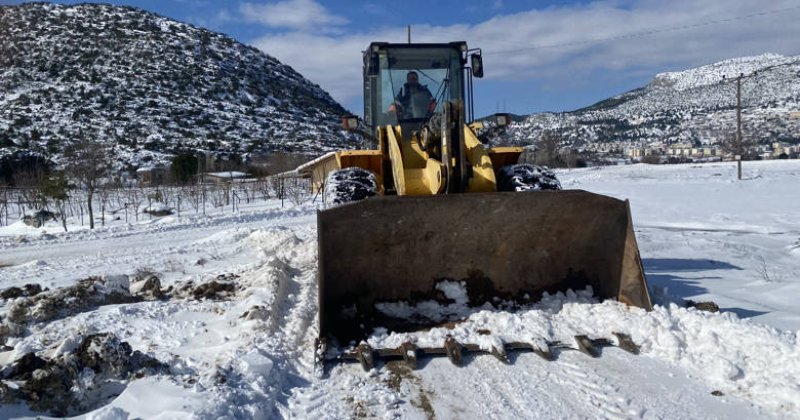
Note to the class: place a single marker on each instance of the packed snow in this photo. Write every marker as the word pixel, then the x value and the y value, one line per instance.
pixel 222 310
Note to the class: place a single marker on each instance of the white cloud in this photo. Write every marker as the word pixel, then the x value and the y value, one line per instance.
pixel 565 44
pixel 333 62
pixel 305 15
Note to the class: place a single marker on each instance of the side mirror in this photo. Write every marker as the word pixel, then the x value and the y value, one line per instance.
pixel 476 62
pixel 350 122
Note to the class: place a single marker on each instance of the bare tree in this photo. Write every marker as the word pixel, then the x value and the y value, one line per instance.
pixel 547 147
pixel 296 190
pixel 731 144
pixel 105 197
pixel 87 163
pixel 263 187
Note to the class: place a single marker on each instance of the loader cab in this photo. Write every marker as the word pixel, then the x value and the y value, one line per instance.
pixel 389 100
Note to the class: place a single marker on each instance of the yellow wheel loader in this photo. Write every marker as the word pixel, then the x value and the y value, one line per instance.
pixel 433 204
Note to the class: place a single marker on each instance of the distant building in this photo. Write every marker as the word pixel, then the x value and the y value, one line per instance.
pixel 152 175
pixel 222 177
pixel 636 152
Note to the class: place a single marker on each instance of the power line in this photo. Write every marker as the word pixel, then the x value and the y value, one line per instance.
pixel 645 33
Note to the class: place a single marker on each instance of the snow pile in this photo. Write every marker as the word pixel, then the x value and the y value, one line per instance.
pixel 751 360
pixel 255 365
pixel 736 356
pixel 114 284
pixel 63 382
pixel 453 291
pixel 486 326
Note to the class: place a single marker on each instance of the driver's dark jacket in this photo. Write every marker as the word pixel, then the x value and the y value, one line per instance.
pixel 406 95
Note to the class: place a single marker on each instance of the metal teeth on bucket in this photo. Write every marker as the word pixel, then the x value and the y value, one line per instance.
pixel 409 352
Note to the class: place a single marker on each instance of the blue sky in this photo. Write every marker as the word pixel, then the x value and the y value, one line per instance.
pixel 539 55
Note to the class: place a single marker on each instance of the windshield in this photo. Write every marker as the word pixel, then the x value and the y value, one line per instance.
pixel 414 83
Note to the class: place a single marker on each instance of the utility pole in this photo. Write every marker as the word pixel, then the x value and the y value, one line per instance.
pixel 739 125
pixel 738 147
pixel 409 34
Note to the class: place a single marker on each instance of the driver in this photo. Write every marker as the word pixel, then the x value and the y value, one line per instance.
pixel 414 99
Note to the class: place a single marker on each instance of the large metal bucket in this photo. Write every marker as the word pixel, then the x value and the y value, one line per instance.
pixel 514 246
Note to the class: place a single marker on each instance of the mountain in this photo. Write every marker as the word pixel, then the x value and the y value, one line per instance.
pixel 149 86
pixel 695 106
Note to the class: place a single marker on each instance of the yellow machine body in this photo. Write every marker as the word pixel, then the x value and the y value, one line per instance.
pixel 439 217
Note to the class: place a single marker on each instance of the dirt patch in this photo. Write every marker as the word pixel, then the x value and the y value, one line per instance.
pixel 33 306
pixel 158 212
pixel 424 404
pixel 87 293
pixel 4 265
pixel 74 382
pixel 703 306
pixel 213 290
pixel 399 372
pixel 223 287
pixel 360 409
pixel 39 218
pixel 27 290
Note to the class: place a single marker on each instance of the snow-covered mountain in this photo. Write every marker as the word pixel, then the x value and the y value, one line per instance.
pixel 692 106
pixel 149 85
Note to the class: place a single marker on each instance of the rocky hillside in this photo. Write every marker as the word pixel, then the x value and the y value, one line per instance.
pixel 149 86
pixel 693 106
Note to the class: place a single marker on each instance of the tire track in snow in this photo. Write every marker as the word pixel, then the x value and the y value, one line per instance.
pixel 614 386
pixel 289 340
pixel 597 392
pixel 484 388
pixel 304 395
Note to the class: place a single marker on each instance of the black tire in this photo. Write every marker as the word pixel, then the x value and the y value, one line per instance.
pixel 350 184
pixel 527 177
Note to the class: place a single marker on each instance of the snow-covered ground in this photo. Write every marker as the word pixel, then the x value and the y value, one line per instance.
pixel 248 352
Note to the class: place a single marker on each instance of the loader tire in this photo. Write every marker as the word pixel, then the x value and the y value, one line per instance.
pixel 527 177
pixel 350 184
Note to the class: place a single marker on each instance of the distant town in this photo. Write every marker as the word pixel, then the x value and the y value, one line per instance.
pixel 684 151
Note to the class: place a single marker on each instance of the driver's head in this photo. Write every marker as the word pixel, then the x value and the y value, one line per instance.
pixel 412 78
